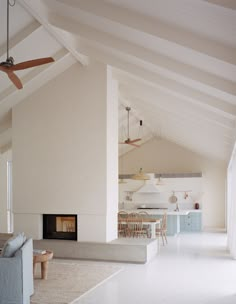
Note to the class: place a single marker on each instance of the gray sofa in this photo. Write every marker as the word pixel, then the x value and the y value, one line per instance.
pixel 16 271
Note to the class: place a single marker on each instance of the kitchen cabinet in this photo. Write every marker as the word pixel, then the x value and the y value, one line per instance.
pixel 191 222
pixel 173 225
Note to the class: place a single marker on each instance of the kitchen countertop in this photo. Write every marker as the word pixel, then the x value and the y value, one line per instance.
pixel 161 211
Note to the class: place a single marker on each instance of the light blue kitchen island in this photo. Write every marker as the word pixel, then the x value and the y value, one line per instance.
pixel 177 221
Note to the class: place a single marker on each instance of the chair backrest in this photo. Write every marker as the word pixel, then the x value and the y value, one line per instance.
pixel 135 223
pixel 122 215
pixel 122 212
pixel 133 215
pixel 143 214
pixel 164 222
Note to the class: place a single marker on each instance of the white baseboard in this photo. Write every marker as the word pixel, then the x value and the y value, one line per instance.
pixel 214 229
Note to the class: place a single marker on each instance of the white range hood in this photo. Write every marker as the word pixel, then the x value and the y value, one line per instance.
pixel 149 186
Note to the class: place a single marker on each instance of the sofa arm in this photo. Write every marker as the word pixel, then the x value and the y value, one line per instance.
pixel 10 280
pixel 25 253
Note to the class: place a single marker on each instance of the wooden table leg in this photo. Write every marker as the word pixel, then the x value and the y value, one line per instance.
pixel 34 268
pixel 44 270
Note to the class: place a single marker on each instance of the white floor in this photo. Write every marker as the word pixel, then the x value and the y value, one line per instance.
pixel 192 268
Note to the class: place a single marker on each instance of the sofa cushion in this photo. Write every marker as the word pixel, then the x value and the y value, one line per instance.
pixel 13 244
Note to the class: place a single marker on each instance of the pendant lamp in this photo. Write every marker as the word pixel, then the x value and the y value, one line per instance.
pixel 140 175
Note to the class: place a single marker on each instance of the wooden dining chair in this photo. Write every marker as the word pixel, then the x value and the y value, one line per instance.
pixel 132 217
pixel 135 226
pixel 145 214
pixel 122 223
pixel 163 229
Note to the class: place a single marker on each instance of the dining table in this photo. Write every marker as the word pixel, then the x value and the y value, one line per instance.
pixel 153 223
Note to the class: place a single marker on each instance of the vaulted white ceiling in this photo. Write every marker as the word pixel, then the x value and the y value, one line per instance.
pixel 175 62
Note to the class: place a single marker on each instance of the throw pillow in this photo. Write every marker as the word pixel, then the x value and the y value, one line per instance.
pixel 13 244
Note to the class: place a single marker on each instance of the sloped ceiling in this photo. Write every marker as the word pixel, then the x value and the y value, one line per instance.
pixel 175 62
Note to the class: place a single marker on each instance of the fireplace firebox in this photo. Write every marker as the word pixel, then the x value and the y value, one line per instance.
pixel 60 226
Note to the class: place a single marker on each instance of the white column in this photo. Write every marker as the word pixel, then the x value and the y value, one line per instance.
pixel 4 158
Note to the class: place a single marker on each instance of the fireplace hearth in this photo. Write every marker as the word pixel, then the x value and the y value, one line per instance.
pixel 60 226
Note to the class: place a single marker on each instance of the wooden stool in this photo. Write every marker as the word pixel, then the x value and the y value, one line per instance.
pixel 43 259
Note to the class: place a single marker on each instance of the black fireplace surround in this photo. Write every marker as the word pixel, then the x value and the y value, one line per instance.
pixel 60 226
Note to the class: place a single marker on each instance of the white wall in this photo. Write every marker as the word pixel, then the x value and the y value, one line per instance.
pixel 231 204
pixel 192 186
pixel 160 156
pixel 4 158
pixel 60 152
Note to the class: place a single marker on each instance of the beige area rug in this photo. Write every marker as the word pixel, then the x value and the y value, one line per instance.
pixel 69 280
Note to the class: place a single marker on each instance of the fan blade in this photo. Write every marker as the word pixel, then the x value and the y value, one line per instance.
pixel 125 143
pixel 133 145
pixel 30 64
pixel 16 81
pixel 134 140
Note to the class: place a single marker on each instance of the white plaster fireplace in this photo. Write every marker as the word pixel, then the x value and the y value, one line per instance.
pixel 56 169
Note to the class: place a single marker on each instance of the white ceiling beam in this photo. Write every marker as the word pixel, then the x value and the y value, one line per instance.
pixel 177 105
pixel 231 4
pixel 155 28
pixel 22 50
pixel 38 10
pixel 182 125
pixel 182 135
pixel 29 30
pixel 152 109
pixel 203 101
pixel 172 68
pixel 30 73
pixel 5 121
pixel 5 139
pixel 216 104
pixel 31 84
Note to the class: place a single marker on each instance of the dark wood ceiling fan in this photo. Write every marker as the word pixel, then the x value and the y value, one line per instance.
pixel 9 67
pixel 129 141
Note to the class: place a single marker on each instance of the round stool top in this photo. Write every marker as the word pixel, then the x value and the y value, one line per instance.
pixel 43 257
